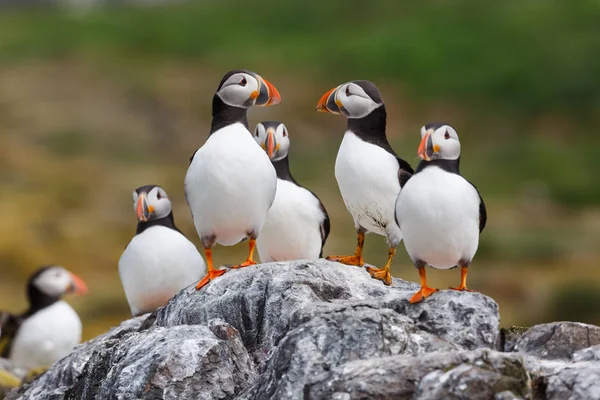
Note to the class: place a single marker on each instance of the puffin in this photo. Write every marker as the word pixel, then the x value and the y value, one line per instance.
pixel 230 183
pixel 159 261
pixel 50 328
pixel 297 223
pixel 441 214
pixel 368 171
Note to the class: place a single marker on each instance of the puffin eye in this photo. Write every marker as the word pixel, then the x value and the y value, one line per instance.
pixel 244 81
pixel 447 135
pixel 348 90
pixel 158 195
pixel 284 133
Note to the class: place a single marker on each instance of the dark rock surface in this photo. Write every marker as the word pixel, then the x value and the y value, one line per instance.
pixel 321 330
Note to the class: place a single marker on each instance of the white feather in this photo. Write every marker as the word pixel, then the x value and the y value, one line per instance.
pixel 292 228
pixel 438 212
pixel 156 265
pixel 367 176
pixel 230 185
pixel 46 336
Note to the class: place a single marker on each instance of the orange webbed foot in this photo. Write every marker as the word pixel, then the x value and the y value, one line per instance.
pixel 462 289
pixel 382 274
pixel 209 277
pixel 422 294
pixel 244 264
pixel 355 260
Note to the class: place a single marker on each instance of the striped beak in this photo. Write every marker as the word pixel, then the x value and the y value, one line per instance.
pixel 77 285
pixel 143 211
pixel 328 103
pixel 426 148
pixel 267 95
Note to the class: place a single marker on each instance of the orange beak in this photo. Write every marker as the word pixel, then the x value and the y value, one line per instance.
pixel 270 145
pixel 322 104
pixel 77 286
pixel 267 95
pixel 141 208
pixel 425 151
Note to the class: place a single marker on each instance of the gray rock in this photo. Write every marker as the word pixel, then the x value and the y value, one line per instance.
pixel 183 362
pixel 322 330
pixel 588 354
pixel 579 381
pixel 558 340
pixel 261 301
pixel 336 334
pixel 478 374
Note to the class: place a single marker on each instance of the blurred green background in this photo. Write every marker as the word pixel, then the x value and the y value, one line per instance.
pixel 98 100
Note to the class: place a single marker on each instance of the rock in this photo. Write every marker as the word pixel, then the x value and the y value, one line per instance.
pixel 336 334
pixel 508 337
pixel 557 340
pixel 588 354
pixel 478 374
pixel 321 330
pixel 10 377
pixel 261 301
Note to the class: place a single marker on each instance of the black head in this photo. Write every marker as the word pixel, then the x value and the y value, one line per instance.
pixel 355 99
pixel 245 89
pixel 151 202
pixel 49 283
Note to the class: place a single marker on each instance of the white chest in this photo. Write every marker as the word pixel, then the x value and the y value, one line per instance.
pixel 156 265
pixel 292 229
pixel 46 336
pixel 367 176
pixel 438 213
pixel 230 185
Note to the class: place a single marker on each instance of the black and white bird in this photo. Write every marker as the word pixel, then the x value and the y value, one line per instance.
pixel 297 223
pixel 50 328
pixel 441 214
pixel 368 171
pixel 231 183
pixel 159 261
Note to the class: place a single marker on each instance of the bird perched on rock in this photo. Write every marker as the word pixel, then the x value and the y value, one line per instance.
pixel 50 328
pixel 230 183
pixel 441 214
pixel 368 171
pixel 297 224
pixel 159 261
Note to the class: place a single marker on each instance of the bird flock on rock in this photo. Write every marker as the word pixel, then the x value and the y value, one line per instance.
pixel 239 187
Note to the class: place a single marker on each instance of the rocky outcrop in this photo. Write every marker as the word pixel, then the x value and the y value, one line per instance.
pixel 321 330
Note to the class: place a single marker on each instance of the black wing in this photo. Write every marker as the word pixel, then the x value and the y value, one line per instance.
pixel 404 172
pixel 9 324
pixel 482 210
pixel 325 227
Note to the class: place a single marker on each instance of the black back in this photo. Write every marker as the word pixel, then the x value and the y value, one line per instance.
pixel 371 129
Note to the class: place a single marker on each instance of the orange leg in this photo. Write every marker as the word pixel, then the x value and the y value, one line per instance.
pixel 212 273
pixel 383 274
pixel 425 291
pixel 463 280
pixel 249 261
pixel 355 259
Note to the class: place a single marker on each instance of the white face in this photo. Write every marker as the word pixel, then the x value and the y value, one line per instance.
pixel 353 101
pixel 441 143
pixel 153 205
pixel 275 141
pixel 240 90
pixel 54 281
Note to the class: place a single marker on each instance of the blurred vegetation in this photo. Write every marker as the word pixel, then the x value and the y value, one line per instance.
pixel 95 102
